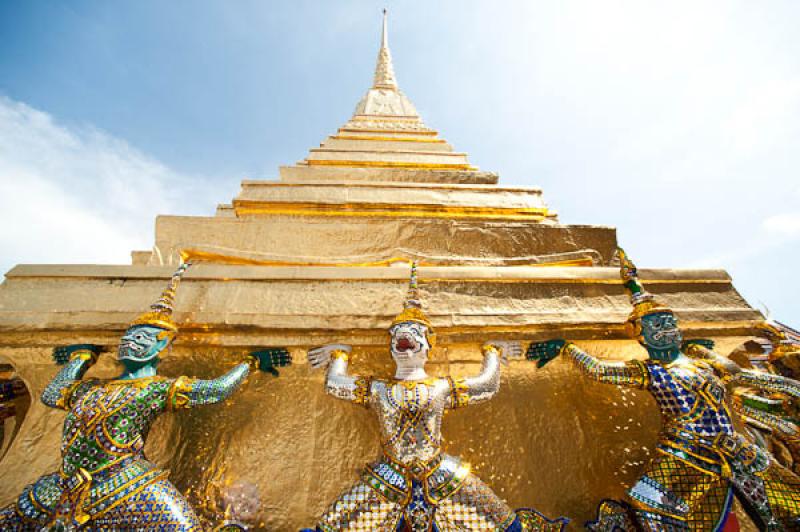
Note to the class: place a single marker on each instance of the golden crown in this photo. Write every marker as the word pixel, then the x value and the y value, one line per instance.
pixel 160 313
pixel 412 308
pixel 643 301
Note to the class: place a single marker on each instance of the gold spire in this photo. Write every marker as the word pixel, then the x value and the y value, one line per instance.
pixel 412 308
pixel 160 313
pixel 384 71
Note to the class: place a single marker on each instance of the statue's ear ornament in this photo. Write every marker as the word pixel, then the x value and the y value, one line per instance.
pixel 160 313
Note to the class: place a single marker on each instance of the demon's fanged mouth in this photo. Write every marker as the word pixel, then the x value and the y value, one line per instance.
pixel 404 343
pixel 669 334
pixel 129 346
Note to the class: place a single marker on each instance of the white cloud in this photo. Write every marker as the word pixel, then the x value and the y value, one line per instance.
pixel 678 126
pixel 787 225
pixel 77 194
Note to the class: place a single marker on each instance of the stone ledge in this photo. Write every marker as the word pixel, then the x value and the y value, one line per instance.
pixel 427 274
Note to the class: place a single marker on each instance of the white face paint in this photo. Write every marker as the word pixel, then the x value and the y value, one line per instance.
pixel 409 346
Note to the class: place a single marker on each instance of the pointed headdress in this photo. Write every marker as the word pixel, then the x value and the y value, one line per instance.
pixel 785 340
pixel 643 301
pixel 160 313
pixel 412 308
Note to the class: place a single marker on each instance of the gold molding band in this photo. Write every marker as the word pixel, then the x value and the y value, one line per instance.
pixel 483 188
pixel 382 151
pixel 397 131
pixel 389 139
pixel 392 164
pixel 200 255
pixel 561 280
pixel 386 118
pixel 334 279
pixel 248 207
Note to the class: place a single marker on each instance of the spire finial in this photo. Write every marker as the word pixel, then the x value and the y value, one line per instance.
pixel 412 300
pixel 643 301
pixel 384 32
pixel 384 71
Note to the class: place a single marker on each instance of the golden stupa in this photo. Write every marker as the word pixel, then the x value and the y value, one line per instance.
pixel 320 255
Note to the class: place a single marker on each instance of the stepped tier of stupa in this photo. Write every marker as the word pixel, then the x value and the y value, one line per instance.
pixel 321 255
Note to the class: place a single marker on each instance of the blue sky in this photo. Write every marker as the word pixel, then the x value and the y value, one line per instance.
pixel 678 123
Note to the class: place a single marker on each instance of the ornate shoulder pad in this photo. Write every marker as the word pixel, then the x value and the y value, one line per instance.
pixel 74 391
pixel 178 394
pixel 459 392
pixel 361 393
pixel 64 401
pixel 638 372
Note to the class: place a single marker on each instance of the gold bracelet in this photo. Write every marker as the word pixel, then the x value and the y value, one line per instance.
pixel 253 362
pixel 337 354
pixel 83 354
pixel 692 351
pixel 488 348
pixel 564 347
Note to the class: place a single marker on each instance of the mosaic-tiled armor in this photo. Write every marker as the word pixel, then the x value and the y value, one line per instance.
pixel 414 485
pixel 105 481
pixel 770 424
pixel 771 416
pixel 701 462
pixel 784 352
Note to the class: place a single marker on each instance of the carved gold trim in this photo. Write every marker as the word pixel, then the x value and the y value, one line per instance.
pixel 199 255
pixel 383 151
pixel 337 278
pixel 599 327
pixel 386 118
pixel 561 280
pixel 398 131
pixel 389 139
pixel 391 164
pixel 247 207
pixel 483 188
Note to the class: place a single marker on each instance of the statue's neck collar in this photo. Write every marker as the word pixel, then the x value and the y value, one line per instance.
pixel 410 374
pixel 140 372
pixel 665 356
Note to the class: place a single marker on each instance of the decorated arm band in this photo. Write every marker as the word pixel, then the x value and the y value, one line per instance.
pixel 339 354
pixel 699 351
pixel 459 395
pixel 84 354
pixel 482 387
pixel 491 348
pixel 361 393
pixel 340 384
